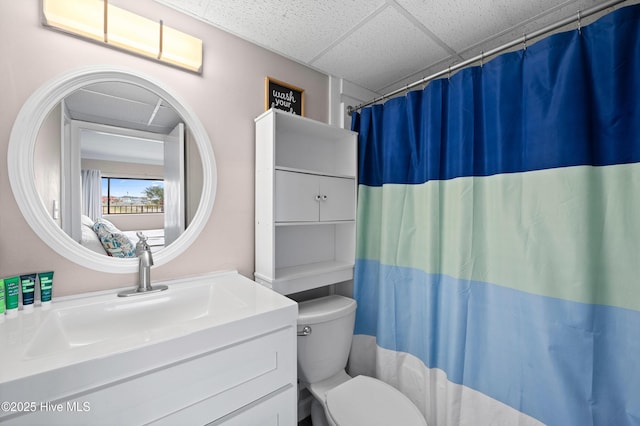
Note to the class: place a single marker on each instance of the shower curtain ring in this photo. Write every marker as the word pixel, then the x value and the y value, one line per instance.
pixel 481 58
pixel 449 73
pixel 524 41
pixel 579 23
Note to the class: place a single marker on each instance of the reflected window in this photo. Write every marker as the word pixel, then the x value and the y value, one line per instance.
pixel 132 196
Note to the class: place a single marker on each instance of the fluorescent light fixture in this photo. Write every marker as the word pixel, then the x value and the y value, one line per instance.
pixel 181 49
pixel 129 31
pixel 100 21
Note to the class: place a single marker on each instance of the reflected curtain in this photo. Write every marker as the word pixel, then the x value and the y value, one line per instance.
pixel 498 271
pixel 92 193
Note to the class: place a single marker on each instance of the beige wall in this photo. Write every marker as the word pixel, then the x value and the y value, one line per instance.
pixel 122 169
pixel 226 97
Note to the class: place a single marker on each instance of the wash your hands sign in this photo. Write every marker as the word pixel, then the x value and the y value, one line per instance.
pixel 283 96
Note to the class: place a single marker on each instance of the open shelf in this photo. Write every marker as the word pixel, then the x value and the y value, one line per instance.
pixel 335 222
pixel 305 277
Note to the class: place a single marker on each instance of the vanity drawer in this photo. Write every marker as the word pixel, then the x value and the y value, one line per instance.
pixel 274 409
pixel 197 390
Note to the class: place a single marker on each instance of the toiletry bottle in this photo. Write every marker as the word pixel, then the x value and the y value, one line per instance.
pixel 2 302
pixel 46 287
pixel 11 295
pixel 28 283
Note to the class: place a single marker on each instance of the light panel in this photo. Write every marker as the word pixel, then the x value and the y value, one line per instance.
pixel 81 17
pixel 181 49
pixel 100 21
pixel 132 32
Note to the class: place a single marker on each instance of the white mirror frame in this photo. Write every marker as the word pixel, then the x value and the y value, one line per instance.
pixel 21 166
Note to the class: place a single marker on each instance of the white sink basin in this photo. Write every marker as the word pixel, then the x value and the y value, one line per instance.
pixel 138 318
pixel 209 346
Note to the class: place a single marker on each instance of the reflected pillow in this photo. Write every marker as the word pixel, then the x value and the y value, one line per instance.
pixel 115 243
pixel 110 226
pixel 90 240
pixel 86 221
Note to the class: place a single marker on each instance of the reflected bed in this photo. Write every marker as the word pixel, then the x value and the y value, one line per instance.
pixel 103 237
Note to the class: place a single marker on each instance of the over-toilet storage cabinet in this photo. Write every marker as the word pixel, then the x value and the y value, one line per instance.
pixel 305 202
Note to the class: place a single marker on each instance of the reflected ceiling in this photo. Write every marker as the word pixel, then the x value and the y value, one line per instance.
pixel 127 106
pixel 122 105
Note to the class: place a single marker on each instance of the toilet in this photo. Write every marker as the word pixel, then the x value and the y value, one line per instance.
pixel 325 329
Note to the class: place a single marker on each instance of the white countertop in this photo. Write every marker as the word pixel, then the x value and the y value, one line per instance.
pixel 79 329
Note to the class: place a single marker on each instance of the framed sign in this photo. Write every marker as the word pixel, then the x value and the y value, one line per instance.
pixel 280 95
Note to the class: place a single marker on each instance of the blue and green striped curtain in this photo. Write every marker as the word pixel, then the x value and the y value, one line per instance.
pixel 498 239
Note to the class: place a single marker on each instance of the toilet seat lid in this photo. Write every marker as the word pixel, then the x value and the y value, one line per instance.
pixel 367 401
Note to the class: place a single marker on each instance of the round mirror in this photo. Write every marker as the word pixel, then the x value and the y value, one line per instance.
pixel 118 154
pixel 113 146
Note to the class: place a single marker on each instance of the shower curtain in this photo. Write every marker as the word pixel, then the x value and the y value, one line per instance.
pixel 498 264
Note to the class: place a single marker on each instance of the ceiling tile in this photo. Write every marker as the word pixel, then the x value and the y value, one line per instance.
pixel 386 48
pixel 528 26
pixel 463 23
pixel 459 23
pixel 298 29
pixel 192 7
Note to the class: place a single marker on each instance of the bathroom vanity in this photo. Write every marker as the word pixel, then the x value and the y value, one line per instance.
pixel 214 348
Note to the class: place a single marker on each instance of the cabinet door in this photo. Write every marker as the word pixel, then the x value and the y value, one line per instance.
pixel 337 198
pixel 296 197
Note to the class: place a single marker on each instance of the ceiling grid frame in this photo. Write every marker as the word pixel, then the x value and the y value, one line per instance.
pixel 450 34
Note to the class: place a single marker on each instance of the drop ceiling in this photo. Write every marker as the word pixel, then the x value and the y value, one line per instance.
pixel 381 45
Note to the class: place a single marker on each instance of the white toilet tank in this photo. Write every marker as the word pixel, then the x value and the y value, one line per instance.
pixel 324 352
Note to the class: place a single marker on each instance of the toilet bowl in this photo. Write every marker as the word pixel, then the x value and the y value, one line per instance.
pixel 325 330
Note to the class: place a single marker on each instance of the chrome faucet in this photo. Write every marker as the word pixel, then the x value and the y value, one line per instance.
pixel 143 253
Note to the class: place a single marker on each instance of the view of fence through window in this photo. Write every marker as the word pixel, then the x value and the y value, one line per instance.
pixel 132 196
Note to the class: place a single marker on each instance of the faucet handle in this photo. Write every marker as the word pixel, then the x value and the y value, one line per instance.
pixel 141 245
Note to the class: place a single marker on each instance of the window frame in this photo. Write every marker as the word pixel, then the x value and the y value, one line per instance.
pixel 108 195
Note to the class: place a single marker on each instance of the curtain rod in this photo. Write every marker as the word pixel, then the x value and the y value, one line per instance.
pixel 522 40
